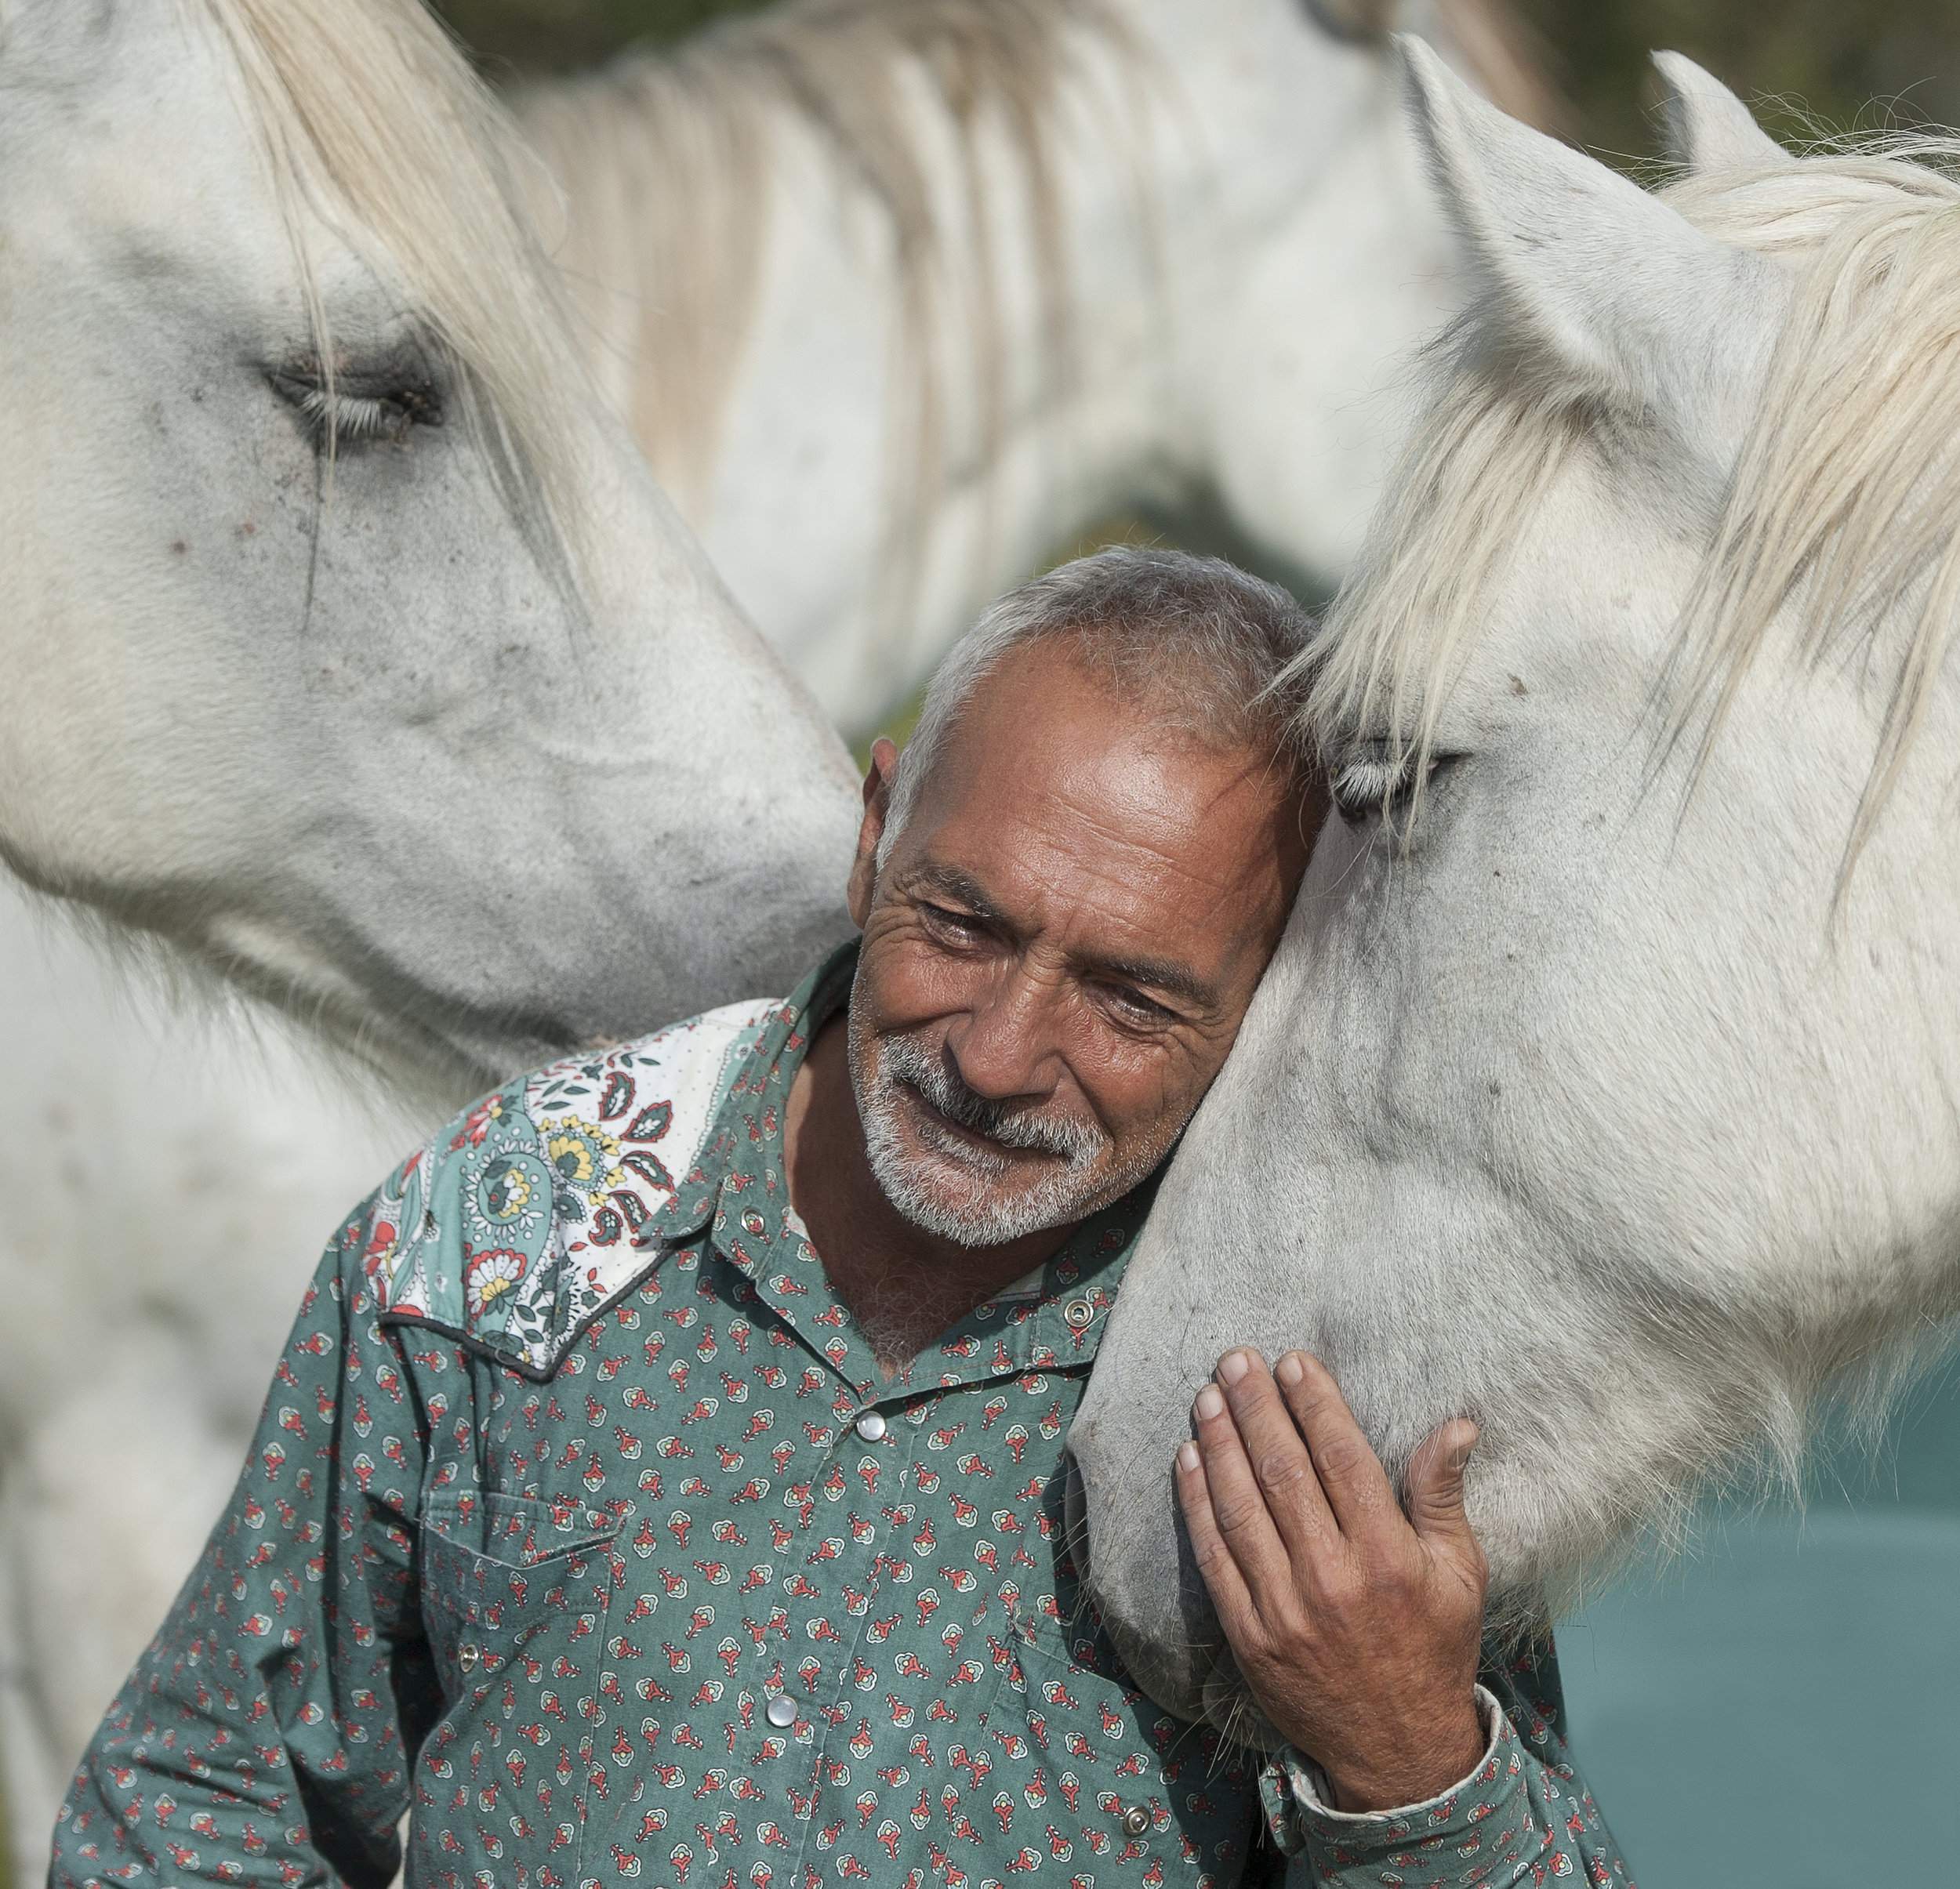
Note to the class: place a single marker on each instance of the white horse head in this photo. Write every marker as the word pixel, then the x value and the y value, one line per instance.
pixel 1603 1087
pixel 349 648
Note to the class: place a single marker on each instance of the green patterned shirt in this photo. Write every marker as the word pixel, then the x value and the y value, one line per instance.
pixel 582 1526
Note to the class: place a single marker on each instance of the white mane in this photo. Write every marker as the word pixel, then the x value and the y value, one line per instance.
pixel 671 155
pixel 1847 487
pixel 666 158
pixel 373 121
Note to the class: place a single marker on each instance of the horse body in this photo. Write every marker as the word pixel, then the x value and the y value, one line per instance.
pixel 169 1179
pixel 902 299
pixel 1602 1088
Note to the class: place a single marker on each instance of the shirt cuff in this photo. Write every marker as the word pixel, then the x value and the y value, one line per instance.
pixel 1454 1837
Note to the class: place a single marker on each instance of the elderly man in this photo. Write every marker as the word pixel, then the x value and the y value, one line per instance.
pixel 664 1479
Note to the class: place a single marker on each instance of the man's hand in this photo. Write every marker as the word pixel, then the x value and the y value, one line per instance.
pixel 1357 1631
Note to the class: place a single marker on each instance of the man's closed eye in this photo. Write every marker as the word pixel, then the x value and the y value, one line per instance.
pixel 956 927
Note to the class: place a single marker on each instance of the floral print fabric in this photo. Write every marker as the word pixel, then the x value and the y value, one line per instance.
pixel 581 1523
pixel 1522 1816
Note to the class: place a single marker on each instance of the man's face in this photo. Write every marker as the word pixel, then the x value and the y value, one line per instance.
pixel 1059 949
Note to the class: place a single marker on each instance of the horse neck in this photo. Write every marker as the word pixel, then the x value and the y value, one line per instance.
pixel 881 385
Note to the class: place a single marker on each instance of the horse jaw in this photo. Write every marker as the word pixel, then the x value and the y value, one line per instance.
pixel 1596 1113
pixel 346 736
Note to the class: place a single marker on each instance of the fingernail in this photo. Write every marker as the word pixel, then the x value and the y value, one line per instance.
pixel 1233 1366
pixel 1211 1403
pixel 1187 1457
pixel 1291 1370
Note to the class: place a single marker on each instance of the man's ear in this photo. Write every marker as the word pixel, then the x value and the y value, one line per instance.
pixel 877 808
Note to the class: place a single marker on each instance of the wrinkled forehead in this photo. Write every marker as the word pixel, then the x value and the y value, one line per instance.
pixel 1076 806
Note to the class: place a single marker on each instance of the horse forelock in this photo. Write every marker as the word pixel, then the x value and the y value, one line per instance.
pixel 373 123
pixel 1845 498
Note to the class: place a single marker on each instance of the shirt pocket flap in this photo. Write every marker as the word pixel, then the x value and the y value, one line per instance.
pixel 1091 1729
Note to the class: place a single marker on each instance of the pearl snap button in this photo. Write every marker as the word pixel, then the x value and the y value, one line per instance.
pixel 781 1710
pixel 1078 1312
pixel 871 1426
pixel 467 1655
pixel 1136 1820
pixel 752 1220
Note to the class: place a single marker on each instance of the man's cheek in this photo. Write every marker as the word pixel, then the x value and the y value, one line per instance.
pixel 913 982
pixel 1143 1100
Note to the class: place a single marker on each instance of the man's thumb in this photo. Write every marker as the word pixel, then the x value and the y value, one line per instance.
pixel 1434 1483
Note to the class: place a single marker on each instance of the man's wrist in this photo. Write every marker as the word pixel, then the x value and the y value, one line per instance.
pixel 1444 1760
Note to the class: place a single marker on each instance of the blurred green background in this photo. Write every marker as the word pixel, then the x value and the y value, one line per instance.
pixel 1833 57
pixel 1780 1708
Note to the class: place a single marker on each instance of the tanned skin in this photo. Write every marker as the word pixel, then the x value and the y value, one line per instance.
pixel 1075 919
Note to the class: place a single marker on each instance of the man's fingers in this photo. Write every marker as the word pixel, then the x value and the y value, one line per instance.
pixel 1238 1504
pixel 1356 1487
pixel 1222 1579
pixel 1435 1490
pixel 1281 1465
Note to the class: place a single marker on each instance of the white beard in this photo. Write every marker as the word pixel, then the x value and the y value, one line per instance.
pixel 954 1189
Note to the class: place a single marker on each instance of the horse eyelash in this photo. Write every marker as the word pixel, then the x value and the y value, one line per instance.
pixel 348 418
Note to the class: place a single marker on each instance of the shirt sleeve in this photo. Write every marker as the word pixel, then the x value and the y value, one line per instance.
pixel 266 1734
pixel 1524 1815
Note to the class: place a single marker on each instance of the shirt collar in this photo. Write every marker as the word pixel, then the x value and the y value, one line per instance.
pixel 750 1121
pixel 1060 1325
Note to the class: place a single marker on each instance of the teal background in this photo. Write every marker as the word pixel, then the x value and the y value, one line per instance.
pixel 1780 1708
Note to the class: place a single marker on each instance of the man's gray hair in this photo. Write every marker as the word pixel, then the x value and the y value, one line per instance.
pixel 1206 643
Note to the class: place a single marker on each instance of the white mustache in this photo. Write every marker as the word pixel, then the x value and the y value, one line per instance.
pixel 1077 1142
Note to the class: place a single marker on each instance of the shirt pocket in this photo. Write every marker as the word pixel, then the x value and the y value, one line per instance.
pixel 1100 1753
pixel 515 1581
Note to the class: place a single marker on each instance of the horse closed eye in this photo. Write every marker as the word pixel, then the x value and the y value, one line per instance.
pixel 1367 786
pixel 1374 786
pixel 357 410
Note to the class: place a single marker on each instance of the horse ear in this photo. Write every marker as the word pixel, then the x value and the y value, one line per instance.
pixel 1708 127
pixel 1583 272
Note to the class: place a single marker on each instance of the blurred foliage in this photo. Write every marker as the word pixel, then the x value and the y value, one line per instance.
pixel 1850 63
pixel 565 35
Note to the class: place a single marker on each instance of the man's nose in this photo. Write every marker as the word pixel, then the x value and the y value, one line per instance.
pixel 1008 1047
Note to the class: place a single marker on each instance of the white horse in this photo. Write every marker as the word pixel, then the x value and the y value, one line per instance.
pixel 165 1182
pixel 352 655
pixel 1604 1086
pixel 903 296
